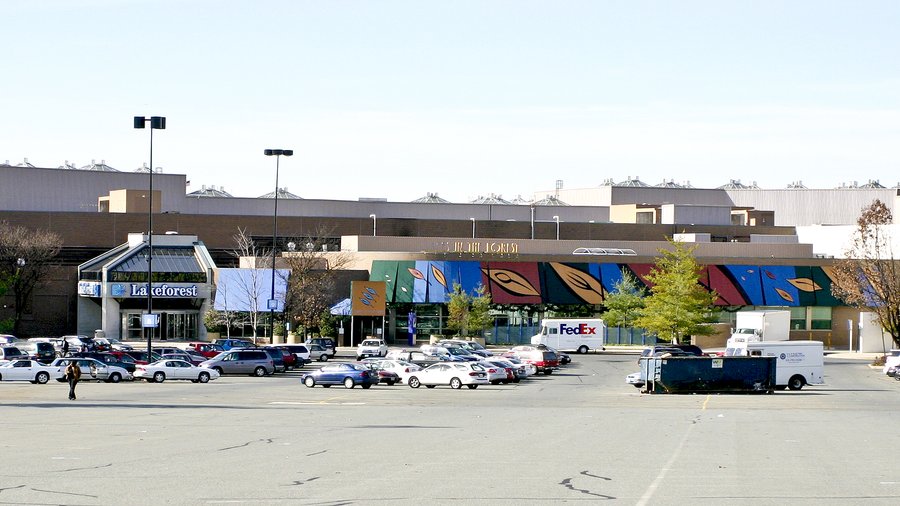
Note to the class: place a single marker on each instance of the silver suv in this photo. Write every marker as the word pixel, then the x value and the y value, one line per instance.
pixel 255 362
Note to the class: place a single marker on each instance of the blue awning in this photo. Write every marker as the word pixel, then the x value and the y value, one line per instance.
pixel 342 308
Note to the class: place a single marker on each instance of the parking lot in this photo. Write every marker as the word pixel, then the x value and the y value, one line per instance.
pixel 579 435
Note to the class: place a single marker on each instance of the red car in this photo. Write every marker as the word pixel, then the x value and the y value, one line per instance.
pixel 290 360
pixel 208 350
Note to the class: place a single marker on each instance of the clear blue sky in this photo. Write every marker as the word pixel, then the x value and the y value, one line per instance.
pixel 464 98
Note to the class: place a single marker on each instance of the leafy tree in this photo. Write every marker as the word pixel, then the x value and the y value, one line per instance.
pixel 458 310
pixel 480 311
pixel 625 302
pixel 678 306
pixel 869 277
pixel 469 313
pixel 26 257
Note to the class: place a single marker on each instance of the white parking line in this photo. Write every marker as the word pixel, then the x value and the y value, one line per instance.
pixel 322 403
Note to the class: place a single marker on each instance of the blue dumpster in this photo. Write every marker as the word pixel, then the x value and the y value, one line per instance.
pixel 690 375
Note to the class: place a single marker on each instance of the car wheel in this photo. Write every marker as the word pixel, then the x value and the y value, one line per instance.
pixel 390 383
pixel 259 372
pixel 366 386
pixel 115 377
pixel 796 382
pixel 414 382
pixel 326 386
pixel 42 378
pixel 159 377
pixel 472 387
pixel 203 377
pixel 219 370
pixel 455 383
pixel 582 349
pixel 430 386
pixel 349 383
pixel 323 358
pixel 548 372
pixel 309 381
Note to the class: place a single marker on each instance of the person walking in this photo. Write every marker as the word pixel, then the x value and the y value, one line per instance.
pixel 65 348
pixel 72 375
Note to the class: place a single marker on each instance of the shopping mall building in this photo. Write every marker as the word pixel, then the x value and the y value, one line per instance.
pixel 759 248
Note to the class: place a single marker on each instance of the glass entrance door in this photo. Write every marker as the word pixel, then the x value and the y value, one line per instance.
pixel 180 325
pixel 172 325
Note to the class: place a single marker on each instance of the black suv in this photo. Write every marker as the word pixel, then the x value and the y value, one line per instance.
pixel 326 343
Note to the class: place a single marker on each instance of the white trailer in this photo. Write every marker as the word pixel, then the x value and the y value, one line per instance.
pixel 572 334
pixel 761 326
pixel 799 362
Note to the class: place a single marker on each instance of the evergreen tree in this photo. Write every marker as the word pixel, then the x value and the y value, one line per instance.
pixel 678 306
pixel 468 313
pixel 625 302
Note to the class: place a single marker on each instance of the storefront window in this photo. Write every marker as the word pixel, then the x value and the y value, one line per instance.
pixel 798 318
pixel 820 318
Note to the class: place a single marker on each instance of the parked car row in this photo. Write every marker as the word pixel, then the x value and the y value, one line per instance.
pixel 449 362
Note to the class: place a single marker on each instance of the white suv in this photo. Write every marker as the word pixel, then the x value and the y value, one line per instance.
pixel 371 348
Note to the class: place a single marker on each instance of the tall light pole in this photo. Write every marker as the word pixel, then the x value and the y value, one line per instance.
pixel 150 322
pixel 556 218
pixel 473 227
pixel 374 223
pixel 272 303
pixel 532 222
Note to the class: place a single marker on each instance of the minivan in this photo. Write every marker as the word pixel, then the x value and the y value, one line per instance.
pixel 255 362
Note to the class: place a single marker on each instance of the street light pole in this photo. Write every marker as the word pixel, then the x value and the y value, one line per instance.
pixel 277 153
pixel 156 123
pixel 556 218
pixel 374 223
pixel 473 227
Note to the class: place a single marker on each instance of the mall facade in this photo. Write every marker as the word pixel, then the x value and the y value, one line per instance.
pixel 556 255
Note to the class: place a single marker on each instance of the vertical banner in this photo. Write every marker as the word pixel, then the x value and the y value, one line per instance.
pixel 367 298
pixel 412 328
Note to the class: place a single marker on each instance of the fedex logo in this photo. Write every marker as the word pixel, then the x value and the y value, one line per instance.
pixel 578 329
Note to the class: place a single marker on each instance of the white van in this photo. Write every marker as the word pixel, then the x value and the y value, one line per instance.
pixel 799 362
pixel 572 334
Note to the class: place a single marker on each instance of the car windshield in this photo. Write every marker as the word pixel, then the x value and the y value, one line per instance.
pixel 370 343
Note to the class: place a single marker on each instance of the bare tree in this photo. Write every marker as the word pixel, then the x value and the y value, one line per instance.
pixel 869 277
pixel 310 288
pixel 26 257
pixel 252 287
pixel 226 316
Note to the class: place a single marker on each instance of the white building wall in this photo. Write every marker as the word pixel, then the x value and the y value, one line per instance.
pixel 801 207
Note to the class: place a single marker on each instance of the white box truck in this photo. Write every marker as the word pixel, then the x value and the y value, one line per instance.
pixel 761 326
pixel 798 363
pixel 572 334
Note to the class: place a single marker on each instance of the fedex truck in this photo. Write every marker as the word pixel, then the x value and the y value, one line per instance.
pixel 572 334
pixel 798 363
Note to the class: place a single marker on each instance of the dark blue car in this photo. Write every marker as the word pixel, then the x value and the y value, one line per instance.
pixel 348 375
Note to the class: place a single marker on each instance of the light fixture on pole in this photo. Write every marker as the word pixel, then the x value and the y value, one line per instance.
pixel 150 321
pixel 272 303
pixel 556 218
pixel 473 227
pixel 374 223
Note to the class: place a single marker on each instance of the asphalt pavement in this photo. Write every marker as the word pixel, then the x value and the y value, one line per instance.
pixel 580 435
